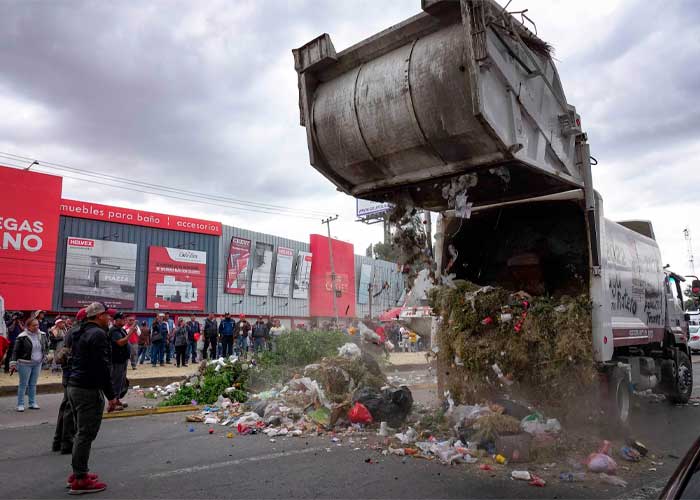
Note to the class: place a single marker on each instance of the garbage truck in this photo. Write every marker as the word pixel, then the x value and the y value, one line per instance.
pixel 460 110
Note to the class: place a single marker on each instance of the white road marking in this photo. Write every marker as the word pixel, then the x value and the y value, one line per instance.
pixel 219 465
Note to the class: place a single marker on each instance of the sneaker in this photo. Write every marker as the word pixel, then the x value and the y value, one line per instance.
pixel 71 478
pixel 34 407
pixel 80 486
pixel 20 407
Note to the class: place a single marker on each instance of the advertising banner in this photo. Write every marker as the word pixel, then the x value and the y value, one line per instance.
pixel 262 268
pixel 283 272
pixel 302 276
pixel 237 266
pixel 321 296
pixel 28 237
pixel 177 279
pixel 365 208
pixel 365 280
pixel 99 270
pixel 96 211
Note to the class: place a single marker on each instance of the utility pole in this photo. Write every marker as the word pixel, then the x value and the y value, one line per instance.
pixel 327 222
pixel 369 294
pixel 689 249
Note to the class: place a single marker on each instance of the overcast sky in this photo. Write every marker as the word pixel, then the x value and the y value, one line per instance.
pixel 203 96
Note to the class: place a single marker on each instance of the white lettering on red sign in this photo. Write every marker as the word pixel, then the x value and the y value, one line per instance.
pixel 80 242
pixel 21 234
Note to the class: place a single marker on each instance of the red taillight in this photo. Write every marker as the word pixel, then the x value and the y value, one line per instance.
pixel 695 337
pixel 605 340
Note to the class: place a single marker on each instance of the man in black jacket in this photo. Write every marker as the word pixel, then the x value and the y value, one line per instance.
pixel 89 383
pixel 211 333
pixel 120 358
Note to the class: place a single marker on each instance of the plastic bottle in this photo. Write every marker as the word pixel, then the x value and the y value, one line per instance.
pixel 572 477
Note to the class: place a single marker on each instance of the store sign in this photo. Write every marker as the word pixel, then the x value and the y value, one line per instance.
pixel 28 237
pixel 283 272
pixel 262 269
pixel 237 266
pixel 99 270
pixel 321 283
pixel 177 279
pixel 302 275
pixel 95 211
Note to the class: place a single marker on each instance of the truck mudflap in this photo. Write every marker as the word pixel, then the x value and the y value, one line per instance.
pixel 460 88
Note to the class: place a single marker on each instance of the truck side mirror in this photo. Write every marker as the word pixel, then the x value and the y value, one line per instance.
pixel 686 317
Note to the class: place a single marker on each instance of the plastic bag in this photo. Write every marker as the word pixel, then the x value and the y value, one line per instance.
pixel 407 437
pixel 600 462
pixel 391 405
pixel 359 414
pixel 465 415
pixel 349 350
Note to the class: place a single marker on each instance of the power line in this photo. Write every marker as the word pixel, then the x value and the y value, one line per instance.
pixel 157 189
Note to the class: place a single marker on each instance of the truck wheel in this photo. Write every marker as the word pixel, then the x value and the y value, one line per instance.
pixel 619 397
pixel 683 385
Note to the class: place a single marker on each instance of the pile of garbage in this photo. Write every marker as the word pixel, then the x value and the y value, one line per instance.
pixel 327 395
pixel 494 340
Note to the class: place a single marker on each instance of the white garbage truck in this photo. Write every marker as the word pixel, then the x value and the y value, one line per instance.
pixel 460 110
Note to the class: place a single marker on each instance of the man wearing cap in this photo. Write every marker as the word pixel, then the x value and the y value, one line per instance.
pixel 120 357
pixel 134 333
pixel 65 423
pixel 89 383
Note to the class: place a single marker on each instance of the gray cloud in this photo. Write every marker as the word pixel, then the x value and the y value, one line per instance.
pixel 202 95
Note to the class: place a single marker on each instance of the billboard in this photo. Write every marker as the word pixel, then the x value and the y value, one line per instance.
pixel 237 266
pixel 283 272
pixel 321 296
pixel 177 279
pixel 99 270
pixel 365 280
pixel 302 276
pixel 262 268
pixel 365 208
pixel 28 237
pixel 107 213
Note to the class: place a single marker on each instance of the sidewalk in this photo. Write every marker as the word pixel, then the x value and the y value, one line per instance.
pixel 145 375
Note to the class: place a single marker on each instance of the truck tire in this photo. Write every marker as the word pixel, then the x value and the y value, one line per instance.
pixel 619 398
pixel 683 384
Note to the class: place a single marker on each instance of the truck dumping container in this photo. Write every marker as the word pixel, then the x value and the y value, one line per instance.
pixel 463 87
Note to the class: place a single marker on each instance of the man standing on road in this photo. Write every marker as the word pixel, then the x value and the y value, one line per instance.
pixel 159 332
pixel 144 342
pixel 65 422
pixel 89 383
pixel 192 329
pixel 226 331
pixel 211 332
pixel 134 333
pixel 120 357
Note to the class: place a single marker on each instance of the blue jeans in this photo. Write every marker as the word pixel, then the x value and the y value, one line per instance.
pixel 142 353
pixel 191 350
pixel 259 344
pixel 28 375
pixel 157 353
pixel 242 345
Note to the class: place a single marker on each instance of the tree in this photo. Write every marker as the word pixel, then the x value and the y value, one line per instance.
pixel 385 251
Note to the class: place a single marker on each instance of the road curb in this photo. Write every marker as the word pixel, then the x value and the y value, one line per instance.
pixel 56 387
pixel 159 410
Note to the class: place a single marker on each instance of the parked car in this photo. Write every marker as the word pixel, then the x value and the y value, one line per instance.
pixel 694 338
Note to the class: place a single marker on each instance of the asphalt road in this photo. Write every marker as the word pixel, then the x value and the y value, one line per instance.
pixel 157 457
